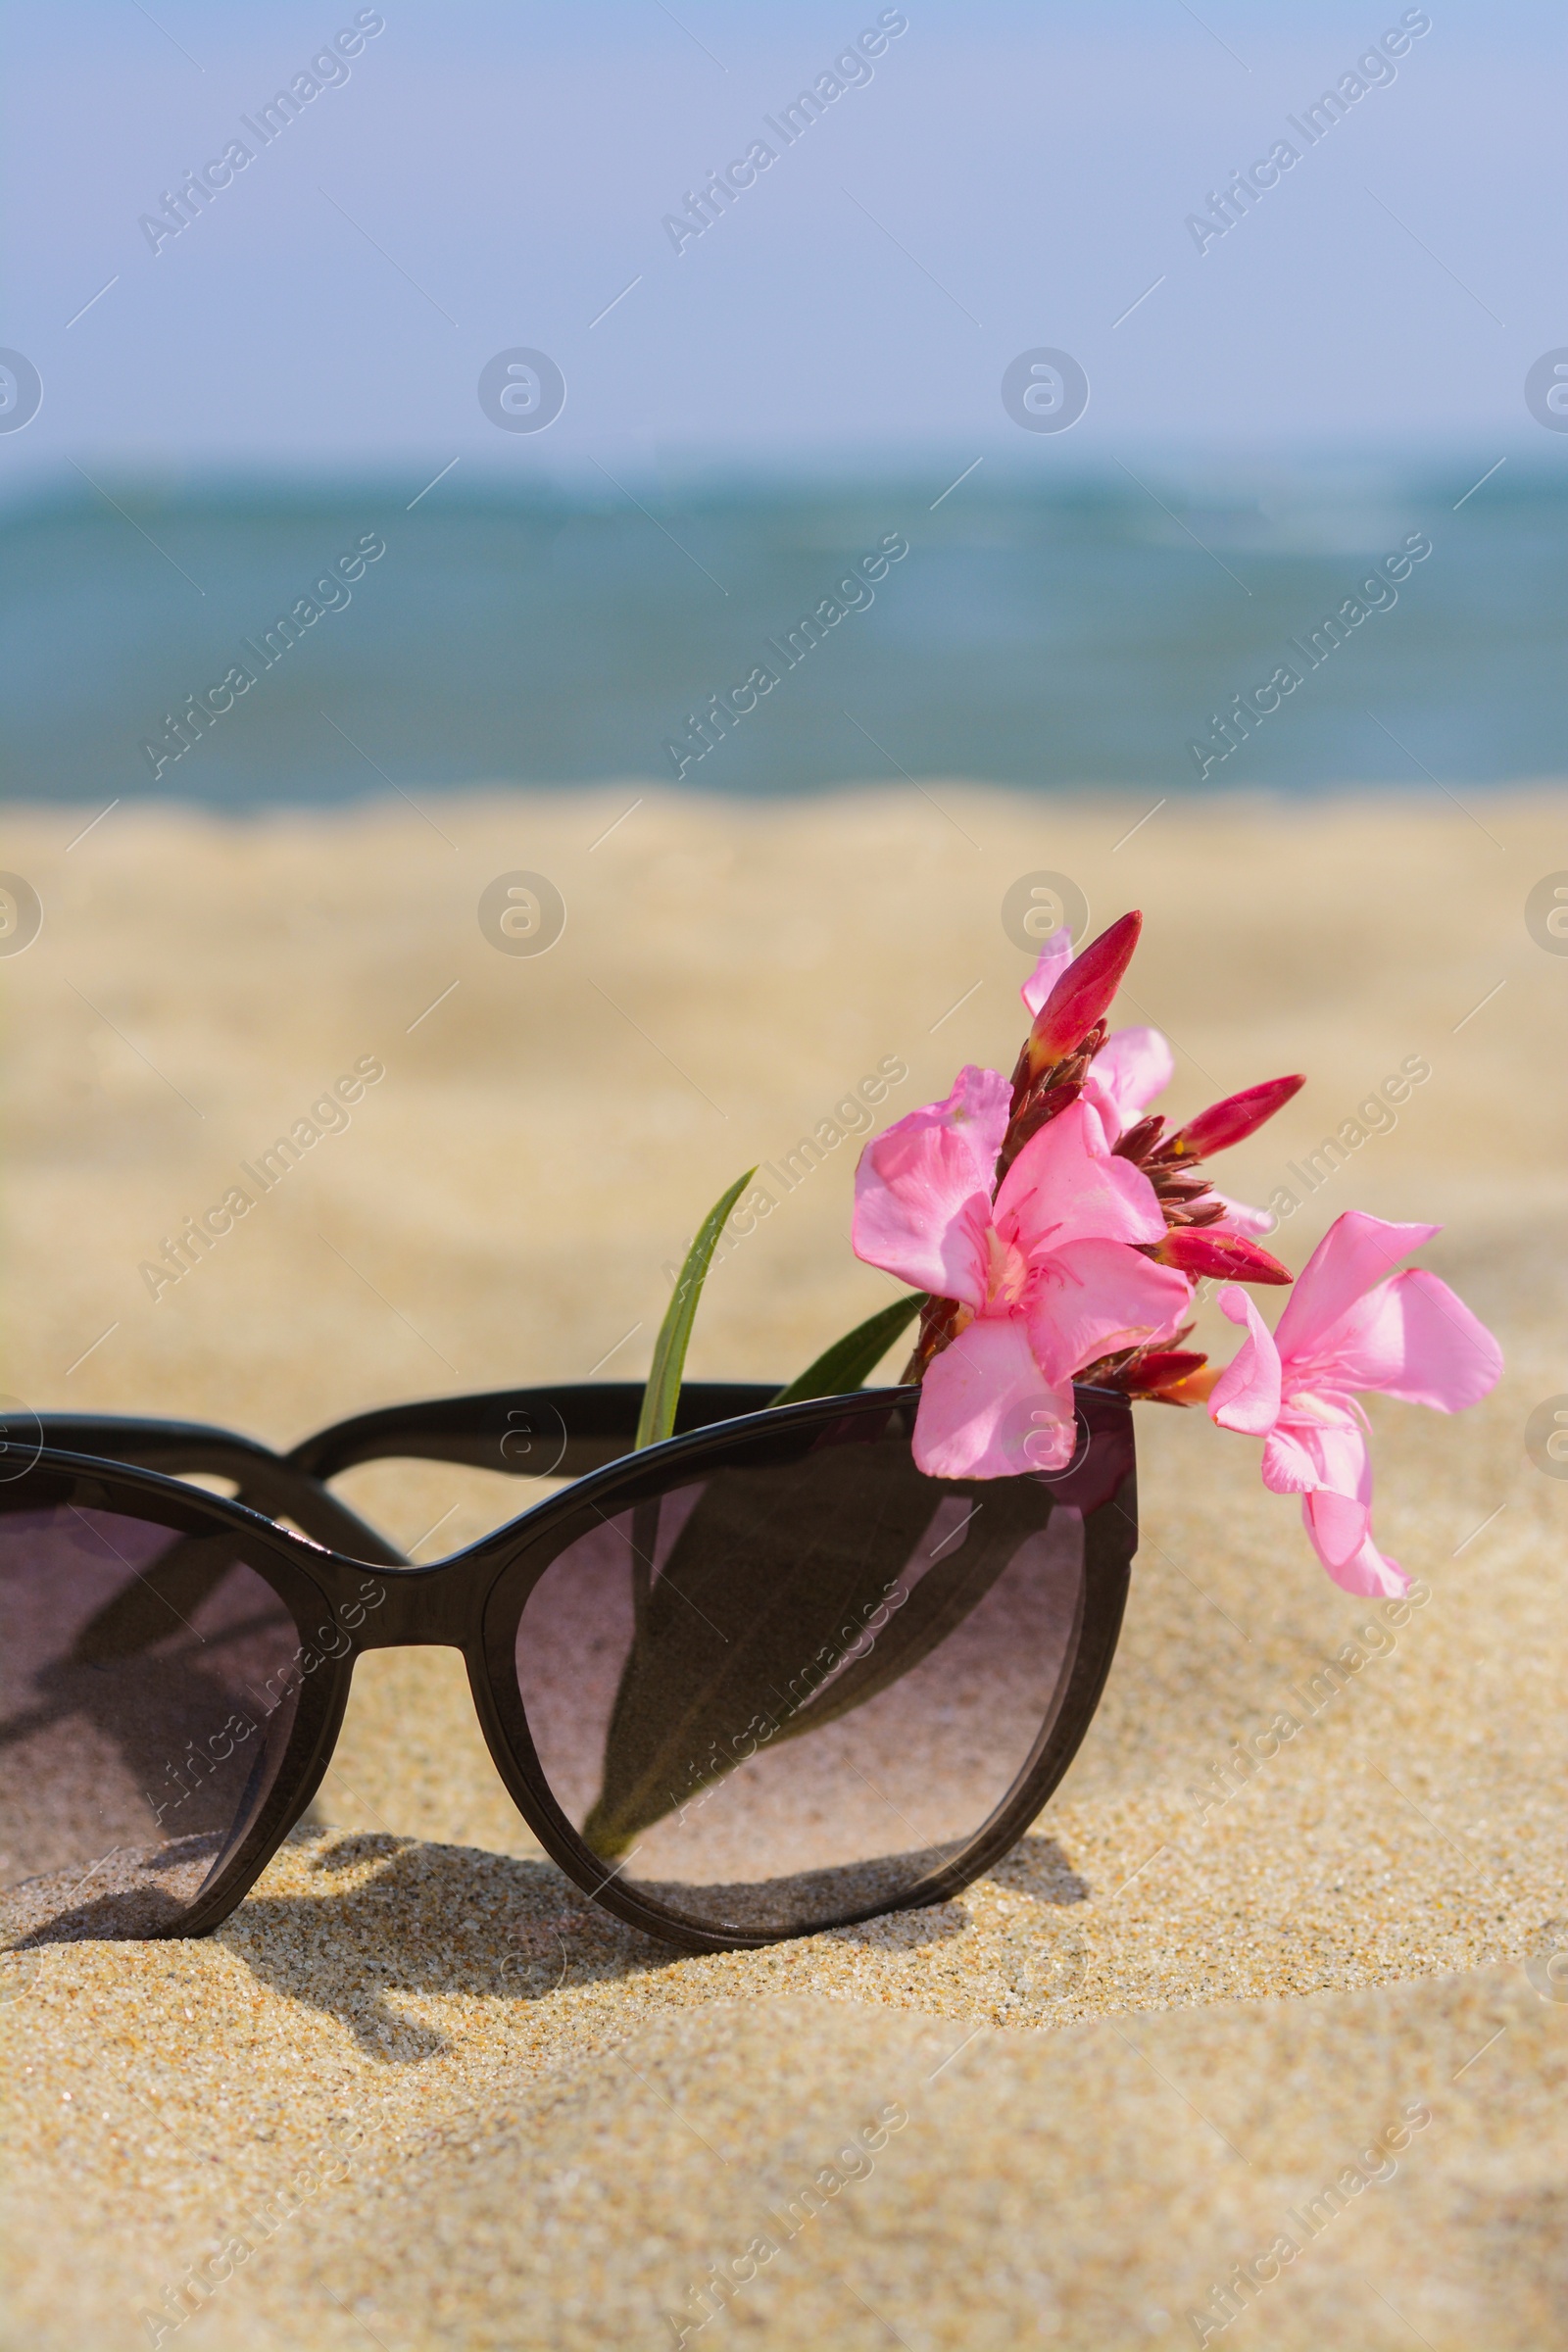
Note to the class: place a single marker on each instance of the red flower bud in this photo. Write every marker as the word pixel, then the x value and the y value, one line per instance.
pixel 1156 1369
pixel 1082 993
pixel 1237 1117
pixel 1230 1256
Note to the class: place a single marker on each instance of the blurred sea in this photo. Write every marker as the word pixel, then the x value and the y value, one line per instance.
pixel 1049 638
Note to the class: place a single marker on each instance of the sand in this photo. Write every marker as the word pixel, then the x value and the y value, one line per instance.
pixel 423 2092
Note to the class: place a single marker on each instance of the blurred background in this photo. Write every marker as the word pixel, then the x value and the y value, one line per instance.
pixel 241 376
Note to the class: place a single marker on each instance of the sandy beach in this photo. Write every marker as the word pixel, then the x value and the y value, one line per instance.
pixel 423 2091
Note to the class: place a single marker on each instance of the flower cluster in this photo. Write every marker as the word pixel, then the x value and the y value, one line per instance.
pixel 1059 1231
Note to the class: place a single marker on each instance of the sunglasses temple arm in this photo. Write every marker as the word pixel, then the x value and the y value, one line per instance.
pixel 523 1433
pixel 288 1493
pixel 265 1480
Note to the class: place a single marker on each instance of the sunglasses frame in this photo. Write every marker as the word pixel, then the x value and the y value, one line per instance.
pixel 447 1603
pixel 493 1430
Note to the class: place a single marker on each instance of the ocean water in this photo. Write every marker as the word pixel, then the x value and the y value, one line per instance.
pixel 1042 638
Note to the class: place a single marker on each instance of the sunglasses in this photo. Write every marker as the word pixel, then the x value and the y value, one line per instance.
pixel 760 1679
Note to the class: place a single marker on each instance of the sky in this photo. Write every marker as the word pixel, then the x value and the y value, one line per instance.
pixel 1002 179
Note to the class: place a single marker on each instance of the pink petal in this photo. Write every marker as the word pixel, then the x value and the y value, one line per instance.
pixel 1089 1299
pixel 1341 1531
pixel 1338 1512
pixel 1130 1070
pixel 1246 1394
pixel 1055 957
pixel 1103 1126
pixel 1240 1217
pixel 1339 1450
pixel 922 1191
pixel 1338 1525
pixel 1288 1467
pixel 1064 1187
pixel 976 1111
pixel 1356 1252
pixel 987 1412
pixel 1415 1339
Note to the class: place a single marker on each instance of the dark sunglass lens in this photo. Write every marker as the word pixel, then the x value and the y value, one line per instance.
pixel 791 1690
pixel 147 1684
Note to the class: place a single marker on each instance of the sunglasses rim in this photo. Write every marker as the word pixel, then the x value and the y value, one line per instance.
pixel 321 1697
pixel 1103 1595
pixel 467 1580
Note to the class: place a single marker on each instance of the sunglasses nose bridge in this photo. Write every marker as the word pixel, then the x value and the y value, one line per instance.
pixel 418 1609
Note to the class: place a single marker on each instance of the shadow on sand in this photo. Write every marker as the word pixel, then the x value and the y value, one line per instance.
pixel 456 1921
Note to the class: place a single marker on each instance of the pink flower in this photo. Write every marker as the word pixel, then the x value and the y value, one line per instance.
pixel 1343 1330
pixel 1051 1273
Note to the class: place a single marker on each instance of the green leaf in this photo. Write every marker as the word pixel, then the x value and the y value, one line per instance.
pixel 662 1393
pixel 850 1362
